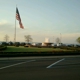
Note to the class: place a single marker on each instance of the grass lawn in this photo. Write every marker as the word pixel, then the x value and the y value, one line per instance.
pixel 31 49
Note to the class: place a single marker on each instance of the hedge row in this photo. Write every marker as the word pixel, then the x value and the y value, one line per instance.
pixel 21 54
pixel 70 48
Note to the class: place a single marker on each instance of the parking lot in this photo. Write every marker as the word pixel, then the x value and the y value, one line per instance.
pixel 40 68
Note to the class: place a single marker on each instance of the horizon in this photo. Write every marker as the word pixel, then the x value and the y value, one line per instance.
pixel 41 42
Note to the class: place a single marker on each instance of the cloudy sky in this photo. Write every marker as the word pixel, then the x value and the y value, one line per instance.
pixel 41 19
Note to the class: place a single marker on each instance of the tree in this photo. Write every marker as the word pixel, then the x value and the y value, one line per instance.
pixel 58 40
pixel 78 39
pixel 6 38
pixel 11 43
pixel 28 38
pixel 17 44
pixel 4 43
pixel 22 44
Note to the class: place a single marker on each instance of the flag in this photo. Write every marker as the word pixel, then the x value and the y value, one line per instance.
pixel 18 18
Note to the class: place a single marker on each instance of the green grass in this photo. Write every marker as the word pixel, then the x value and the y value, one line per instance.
pixel 31 49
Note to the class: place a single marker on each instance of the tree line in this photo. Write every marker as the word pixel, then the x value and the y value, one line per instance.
pixel 29 39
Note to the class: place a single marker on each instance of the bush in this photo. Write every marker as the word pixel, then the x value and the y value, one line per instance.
pixel 2 47
pixel 17 44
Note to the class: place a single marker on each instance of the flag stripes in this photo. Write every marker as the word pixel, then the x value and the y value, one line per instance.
pixel 18 18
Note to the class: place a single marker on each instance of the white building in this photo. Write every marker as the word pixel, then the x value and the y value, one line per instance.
pixel 47 42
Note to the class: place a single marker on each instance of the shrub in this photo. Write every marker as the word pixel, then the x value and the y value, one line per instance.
pixel 17 44
pixel 2 47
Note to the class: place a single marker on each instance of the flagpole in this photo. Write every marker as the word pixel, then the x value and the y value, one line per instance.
pixel 15 29
pixel 17 17
pixel 60 38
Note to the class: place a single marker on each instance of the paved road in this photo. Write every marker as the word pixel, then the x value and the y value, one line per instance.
pixel 40 68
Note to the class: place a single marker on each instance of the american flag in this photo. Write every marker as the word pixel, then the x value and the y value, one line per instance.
pixel 18 18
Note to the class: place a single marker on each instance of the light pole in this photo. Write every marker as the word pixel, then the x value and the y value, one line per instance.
pixel 60 38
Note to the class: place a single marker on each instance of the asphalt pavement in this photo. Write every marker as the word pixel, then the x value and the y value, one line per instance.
pixel 40 68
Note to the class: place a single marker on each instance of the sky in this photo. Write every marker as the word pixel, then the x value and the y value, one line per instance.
pixel 41 19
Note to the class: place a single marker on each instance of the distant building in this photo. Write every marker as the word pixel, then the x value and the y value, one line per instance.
pixel 36 44
pixel 47 42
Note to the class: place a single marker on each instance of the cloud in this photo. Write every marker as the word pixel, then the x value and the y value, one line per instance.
pixel 5 28
pixel 3 22
pixel 37 35
pixel 65 38
pixel 70 37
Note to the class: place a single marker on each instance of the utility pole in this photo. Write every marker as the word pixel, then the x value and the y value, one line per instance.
pixel 53 40
pixel 60 38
